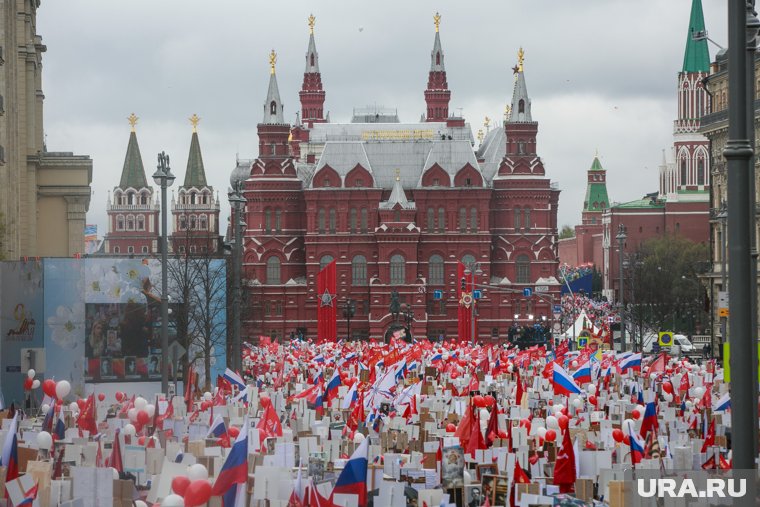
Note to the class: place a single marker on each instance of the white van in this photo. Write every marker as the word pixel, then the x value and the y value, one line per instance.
pixel 678 339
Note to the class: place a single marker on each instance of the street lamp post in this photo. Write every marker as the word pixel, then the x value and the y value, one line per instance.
pixel 621 237
pixel 474 270
pixel 237 203
pixel 723 216
pixel 348 313
pixel 164 178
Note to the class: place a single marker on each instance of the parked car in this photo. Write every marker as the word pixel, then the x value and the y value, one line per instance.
pixel 678 339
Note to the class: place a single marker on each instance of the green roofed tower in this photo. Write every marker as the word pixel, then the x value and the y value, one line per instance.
pixel 133 172
pixel 696 57
pixel 195 211
pixel 596 200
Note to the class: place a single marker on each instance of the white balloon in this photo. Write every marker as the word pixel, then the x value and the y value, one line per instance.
pixel 628 424
pixel 140 403
pixel 577 403
pixel 558 408
pixel 44 408
pixel 132 414
pixel 173 501
pixel 467 478
pixel 44 440
pixel 140 503
pixel 574 364
pixel 73 406
pixel 150 409
pixel 358 438
pixel 445 356
pixel 129 430
pixel 115 474
pixel 699 391
pixel 62 389
pixel 197 472
pixel 551 422
pixel 541 431
pixel 35 384
pixel 591 388
pixel 207 396
pixel 484 415
pixel 31 373
pixel 652 376
pixel 689 404
pixel 641 409
pixel 668 397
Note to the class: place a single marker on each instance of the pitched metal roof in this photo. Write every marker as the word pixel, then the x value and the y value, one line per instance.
pixel 273 95
pixel 312 51
pixel 195 174
pixel 397 197
pixel 492 152
pixel 696 58
pixel 133 172
pixel 437 49
pixel 519 93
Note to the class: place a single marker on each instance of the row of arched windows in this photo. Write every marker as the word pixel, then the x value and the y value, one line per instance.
pixel 327 220
pixel 193 222
pixel 130 249
pixel 684 171
pixel 131 197
pixel 195 197
pixel 130 223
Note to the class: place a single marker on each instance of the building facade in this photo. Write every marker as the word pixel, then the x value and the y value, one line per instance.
pixel 44 195
pixel 397 206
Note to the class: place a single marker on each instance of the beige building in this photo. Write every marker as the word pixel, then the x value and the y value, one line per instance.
pixel 44 196
pixel 715 128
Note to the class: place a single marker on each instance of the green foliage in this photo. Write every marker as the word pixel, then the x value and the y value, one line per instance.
pixel 566 232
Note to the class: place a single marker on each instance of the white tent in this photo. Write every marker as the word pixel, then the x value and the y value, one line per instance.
pixel 580 323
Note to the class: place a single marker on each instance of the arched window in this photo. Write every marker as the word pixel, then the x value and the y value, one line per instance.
pixel 130 249
pixel 364 219
pixel 120 223
pixel 130 198
pixel 462 219
pixel 441 219
pixel 700 171
pixel 359 271
pixel 521 106
pixel 182 222
pixel 193 222
pixel 517 218
pixel 474 219
pixel 144 249
pixel 321 220
pixel 468 261
pixel 435 270
pixel 277 219
pixel 523 269
pixel 324 261
pixel 140 223
pixel 267 220
pixel 203 222
pixel 130 223
pixel 437 58
pixel 333 220
pixel 683 172
pixel 526 217
pixel 352 220
pixel 192 197
pixel 143 199
pixel 116 249
pixel 312 59
pixel 430 220
pixel 398 269
pixel 273 107
pixel 273 270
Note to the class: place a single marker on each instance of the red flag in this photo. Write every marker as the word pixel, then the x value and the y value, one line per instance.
pixel 115 461
pixel 190 389
pixel 684 382
pixel 475 441
pixel 270 425
pixel 87 420
pixel 658 365
pixel 464 430
pixel 519 393
pixel 564 468
pixel 327 328
pixel 492 430
pixel 465 310
pixel 166 415
pixel 519 477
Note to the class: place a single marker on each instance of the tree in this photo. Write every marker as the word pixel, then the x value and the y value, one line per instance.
pixel 566 232
pixel 208 306
pixel 663 280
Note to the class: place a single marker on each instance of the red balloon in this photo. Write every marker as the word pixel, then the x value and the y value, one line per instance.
pixel 101 397
pixel 451 428
pixel 479 401
pixel 525 423
pixel 48 387
pixel 454 374
pixel 490 401
pixel 627 440
pixel 81 403
pixel 563 420
pixel 265 401
pixel 233 432
pixel 205 406
pixel 502 434
pixel 592 399
pixel 550 436
pixel 197 493
pixel 617 434
pixel 119 396
pixel 141 440
pixel 180 484
pixel 28 384
pixel 636 414
pixel 143 417
pixel 667 387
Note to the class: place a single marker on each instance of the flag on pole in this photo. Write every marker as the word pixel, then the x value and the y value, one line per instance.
pixel 327 313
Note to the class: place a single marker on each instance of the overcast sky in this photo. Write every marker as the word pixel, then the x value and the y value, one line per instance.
pixel 601 75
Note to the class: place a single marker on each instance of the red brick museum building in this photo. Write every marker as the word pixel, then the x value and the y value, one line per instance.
pixel 398 206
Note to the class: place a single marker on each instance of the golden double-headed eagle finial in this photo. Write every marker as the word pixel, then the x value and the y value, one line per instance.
pixel 272 60
pixel 132 119
pixel 398 174
pixel 520 59
pixel 437 21
pixel 312 19
pixel 194 121
pixel 480 136
pixel 487 122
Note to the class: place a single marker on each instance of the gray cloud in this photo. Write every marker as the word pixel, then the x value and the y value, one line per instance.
pixel 601 74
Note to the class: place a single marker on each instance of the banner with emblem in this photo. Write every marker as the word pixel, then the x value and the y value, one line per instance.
pixel 466 303
pixel 327 314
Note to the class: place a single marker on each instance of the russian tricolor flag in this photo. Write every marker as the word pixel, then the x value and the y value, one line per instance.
pixel 319 359
pixel 332 387
pixel 353 478
pixel 563 382
pixel 232 477
pixel 637 445
pixel 583 374
pixel 436 357
pixel 724 403
pixel 650 418
pixel 217 428
pixel 632 361
pixel 60 425
pixel 234 379
pixel 351 397
pixel 9 456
